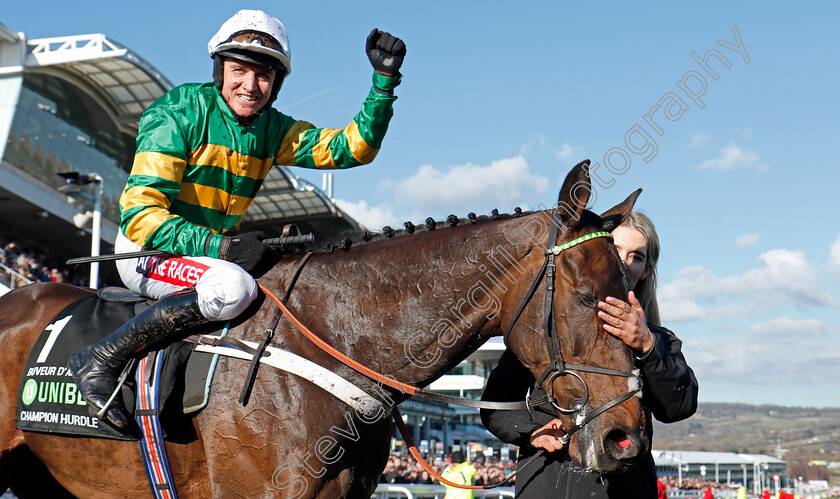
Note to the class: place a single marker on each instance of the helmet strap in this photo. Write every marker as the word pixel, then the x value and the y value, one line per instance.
pixel 278 82
pixel 218 71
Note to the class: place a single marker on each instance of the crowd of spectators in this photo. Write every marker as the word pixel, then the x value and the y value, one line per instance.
pixel 715 489
pixel 405 469
pixel 687 483
pixel 22 263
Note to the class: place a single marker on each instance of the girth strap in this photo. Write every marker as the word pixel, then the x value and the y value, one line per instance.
pixel 147 414
pixel 228 342
pixel 355 397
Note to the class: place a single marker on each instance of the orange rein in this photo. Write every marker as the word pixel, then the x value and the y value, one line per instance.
pixel 412 449
pixel 370 373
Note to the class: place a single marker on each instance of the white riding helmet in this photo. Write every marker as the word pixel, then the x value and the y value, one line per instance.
pixel 253 36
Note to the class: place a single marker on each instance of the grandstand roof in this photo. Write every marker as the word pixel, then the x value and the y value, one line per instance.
pixel 285 198
pixel 675 457
pixel 121 81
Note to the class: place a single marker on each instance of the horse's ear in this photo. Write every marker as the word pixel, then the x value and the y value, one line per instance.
pixel 613 217
pixel 575 192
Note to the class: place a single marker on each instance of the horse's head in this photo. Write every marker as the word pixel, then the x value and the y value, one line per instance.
pixel 587 373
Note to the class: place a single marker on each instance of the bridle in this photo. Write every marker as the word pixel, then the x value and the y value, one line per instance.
pixel 558 366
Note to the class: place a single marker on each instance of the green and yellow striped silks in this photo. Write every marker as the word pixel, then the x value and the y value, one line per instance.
pixel 197 170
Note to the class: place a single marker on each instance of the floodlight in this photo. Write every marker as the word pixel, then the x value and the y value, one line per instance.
pixel 75 179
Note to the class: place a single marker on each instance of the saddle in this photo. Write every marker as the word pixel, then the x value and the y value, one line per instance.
pixel 48 400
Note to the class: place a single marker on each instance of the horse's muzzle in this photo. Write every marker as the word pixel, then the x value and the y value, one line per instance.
pixel 608 446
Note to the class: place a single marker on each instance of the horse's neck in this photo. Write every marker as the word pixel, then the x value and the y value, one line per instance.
pixel 413 307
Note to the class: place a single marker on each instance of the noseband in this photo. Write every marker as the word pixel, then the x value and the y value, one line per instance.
pixel 558 366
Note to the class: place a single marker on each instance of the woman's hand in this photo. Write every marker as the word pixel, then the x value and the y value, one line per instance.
pixel 626 321
pixel 548 437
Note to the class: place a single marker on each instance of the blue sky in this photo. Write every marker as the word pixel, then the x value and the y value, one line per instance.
pixel 501 99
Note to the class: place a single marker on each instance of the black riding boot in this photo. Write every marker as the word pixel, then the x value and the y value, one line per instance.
pixel 97 367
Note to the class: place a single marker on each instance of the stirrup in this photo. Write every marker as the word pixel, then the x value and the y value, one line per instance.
pixel 104 410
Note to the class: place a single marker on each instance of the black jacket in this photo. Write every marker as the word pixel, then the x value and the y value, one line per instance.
pixel 670 394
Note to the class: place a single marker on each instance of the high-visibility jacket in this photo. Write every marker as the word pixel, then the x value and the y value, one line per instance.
pixel 197 169
pixel 461 474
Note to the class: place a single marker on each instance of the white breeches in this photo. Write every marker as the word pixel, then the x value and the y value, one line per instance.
pixel 224 289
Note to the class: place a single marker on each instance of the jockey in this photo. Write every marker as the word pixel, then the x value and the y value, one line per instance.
pixel 203 151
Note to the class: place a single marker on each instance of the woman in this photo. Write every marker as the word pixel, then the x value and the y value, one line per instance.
pixel 670 388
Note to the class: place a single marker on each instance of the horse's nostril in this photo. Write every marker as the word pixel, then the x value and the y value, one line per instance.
pixel 623 441
pixel 620 443
pixel 620 437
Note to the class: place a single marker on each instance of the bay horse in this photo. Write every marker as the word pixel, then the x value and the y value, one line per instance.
pixel 411 306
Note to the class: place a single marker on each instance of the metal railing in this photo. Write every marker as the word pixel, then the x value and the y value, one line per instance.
pixel 698 494
pixel 726 493
pixel 416 491
pixel 13 277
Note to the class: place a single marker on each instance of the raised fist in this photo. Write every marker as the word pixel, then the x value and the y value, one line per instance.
pixel 386 52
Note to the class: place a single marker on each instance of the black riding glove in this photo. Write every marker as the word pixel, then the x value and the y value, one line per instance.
pixel 248 251
pixel 386 52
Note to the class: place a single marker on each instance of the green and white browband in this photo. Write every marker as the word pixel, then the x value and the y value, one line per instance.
pixel 574 242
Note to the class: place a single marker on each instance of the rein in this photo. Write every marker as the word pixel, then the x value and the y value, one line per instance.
pixel 412 449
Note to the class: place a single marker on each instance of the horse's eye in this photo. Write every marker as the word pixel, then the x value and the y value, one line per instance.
pixel 587 298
